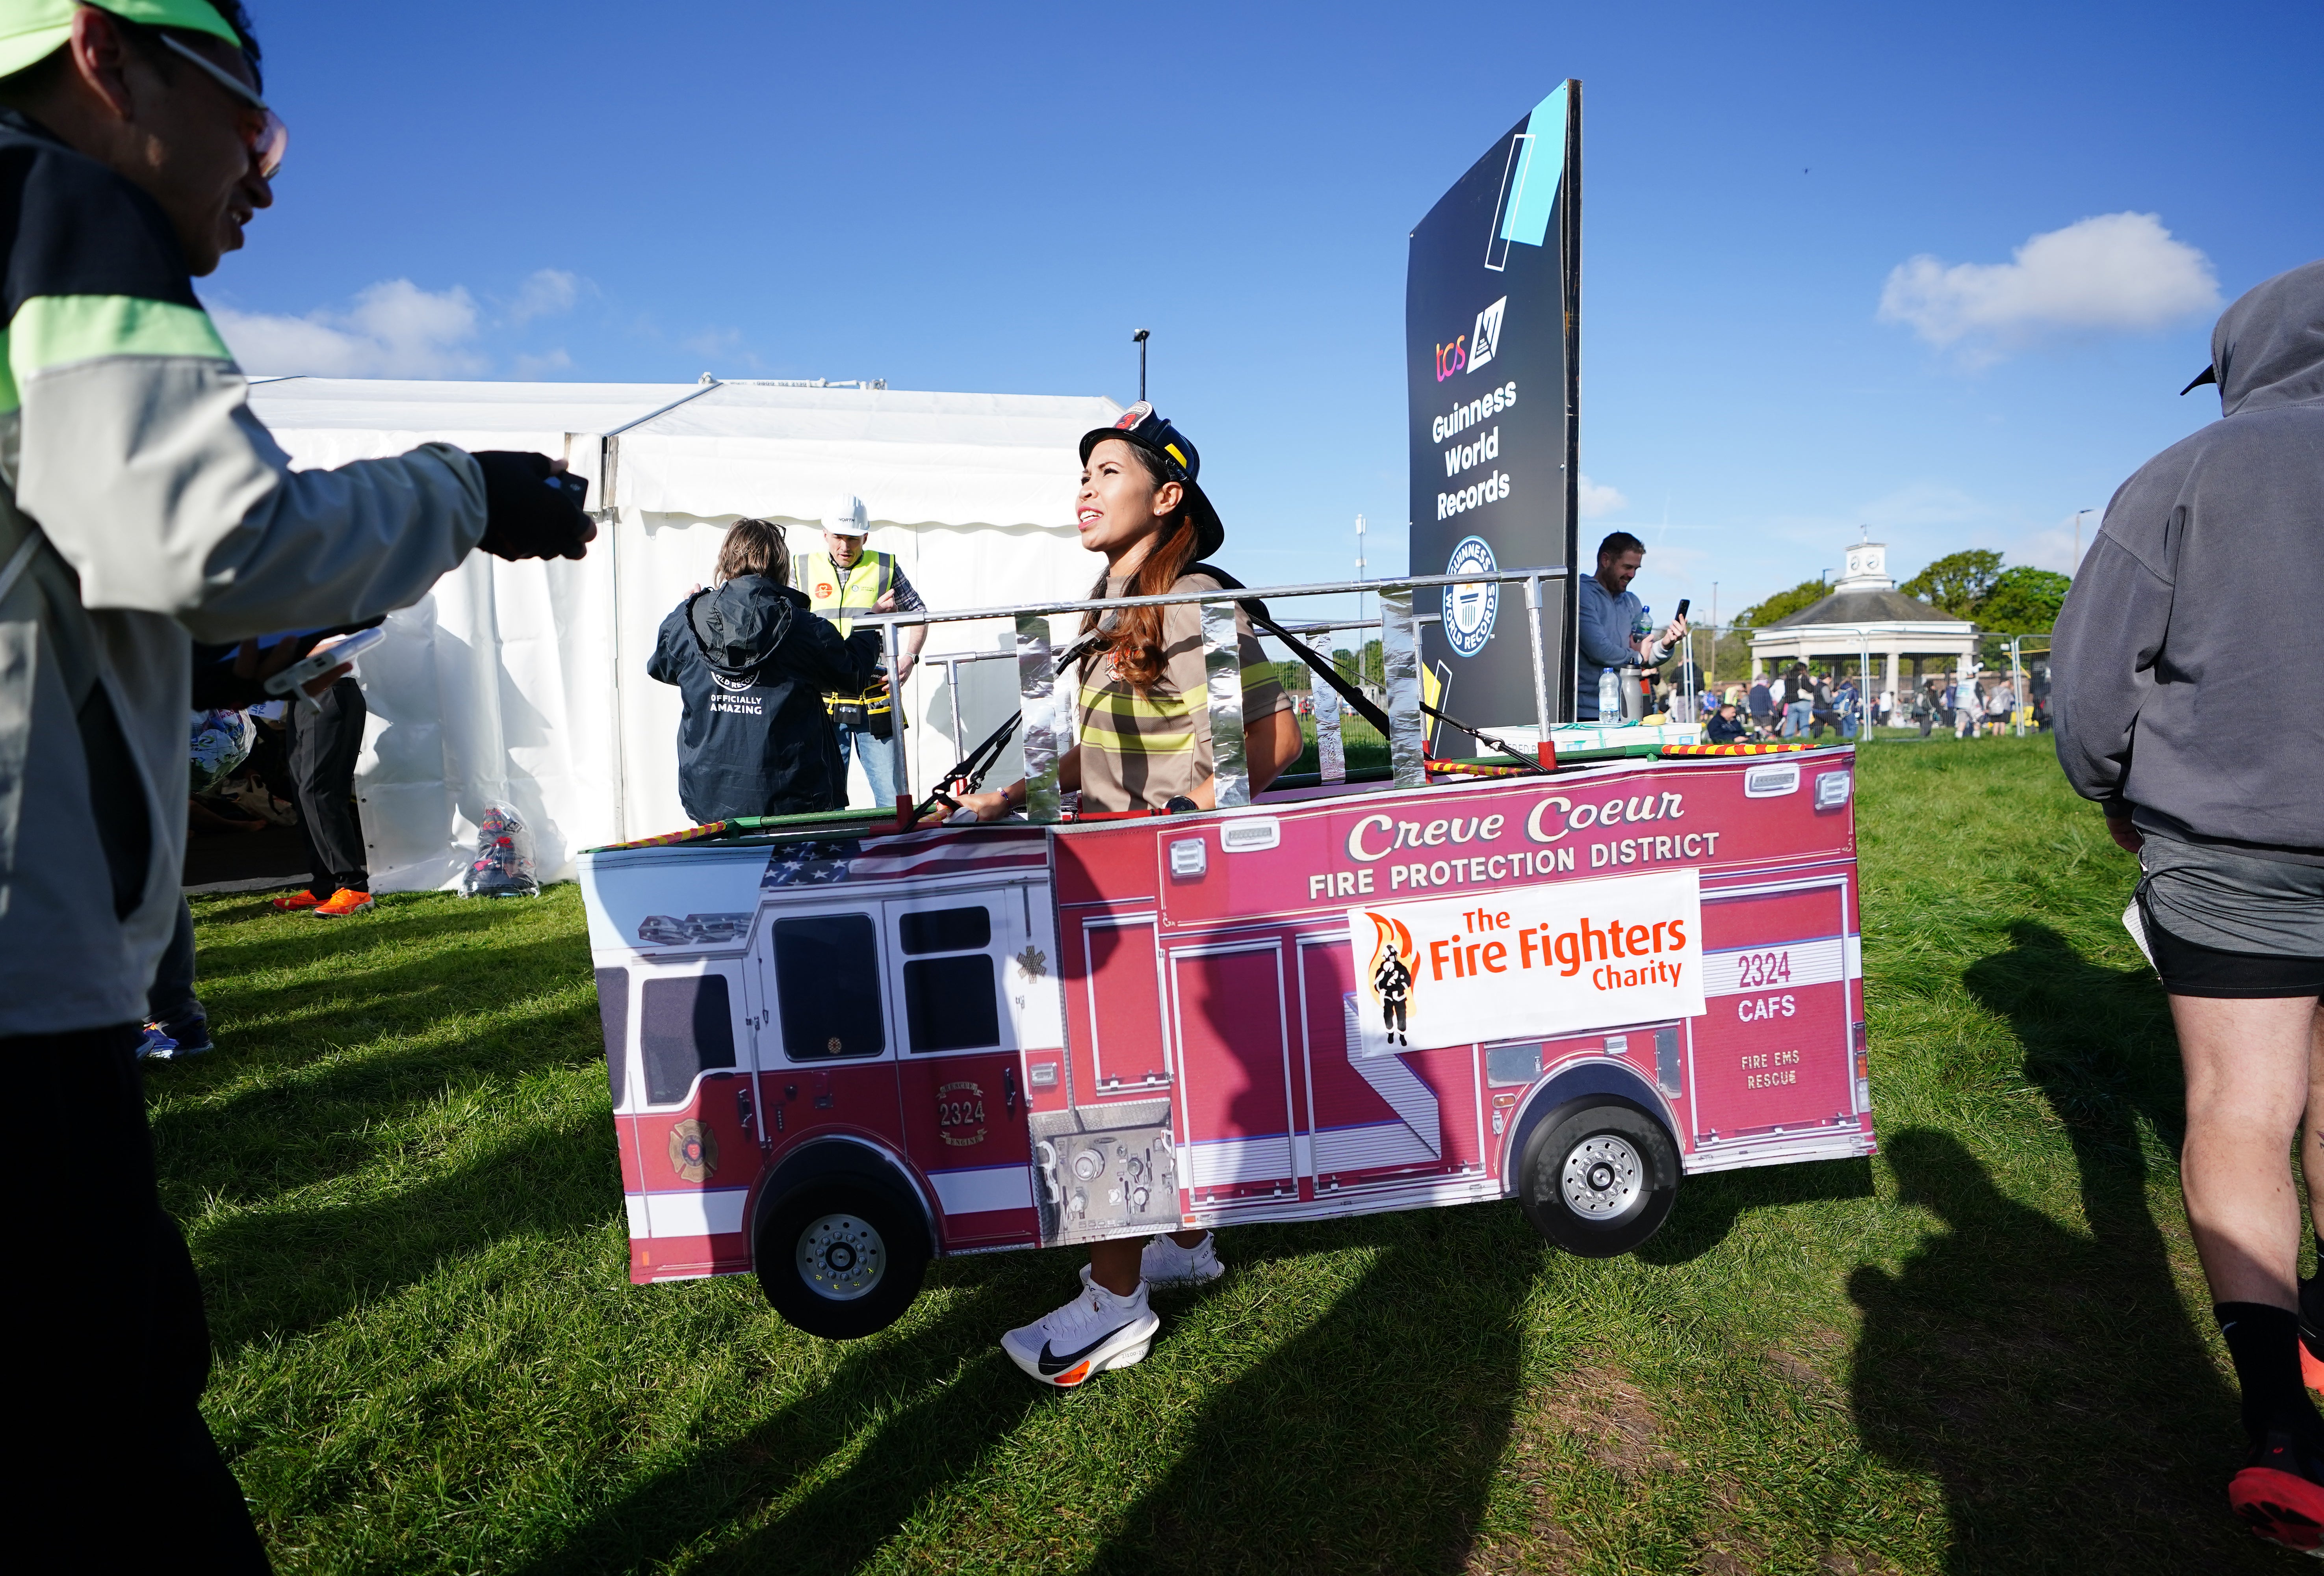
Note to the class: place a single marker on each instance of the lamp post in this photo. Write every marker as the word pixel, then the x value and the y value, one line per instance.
pixel 2078 539
pixel 1138 339
pixel 1711 669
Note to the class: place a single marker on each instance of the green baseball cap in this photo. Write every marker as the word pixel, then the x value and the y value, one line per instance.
pixel 32 30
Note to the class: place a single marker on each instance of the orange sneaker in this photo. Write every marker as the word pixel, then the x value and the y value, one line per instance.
pixel 346 901
pixel 297 902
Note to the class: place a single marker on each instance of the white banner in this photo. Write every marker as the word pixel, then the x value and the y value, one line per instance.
pixel 1547 960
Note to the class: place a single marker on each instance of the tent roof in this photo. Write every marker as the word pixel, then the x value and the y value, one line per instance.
pixel 783 451
pixel 417 405
pixel 914 458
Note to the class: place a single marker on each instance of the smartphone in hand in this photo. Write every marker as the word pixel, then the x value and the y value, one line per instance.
pixel 328 655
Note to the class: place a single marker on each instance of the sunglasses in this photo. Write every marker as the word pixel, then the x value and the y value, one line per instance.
pixel 271 139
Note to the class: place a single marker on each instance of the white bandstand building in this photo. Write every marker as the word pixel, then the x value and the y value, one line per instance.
pixel 1866 616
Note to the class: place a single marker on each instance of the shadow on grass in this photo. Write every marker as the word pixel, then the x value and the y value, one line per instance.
pixel 1709 1206
pixel 292 1123
pixel 947 1396
pixel 1369 1439
pixel 2051 1381
pixel 316 1093
pixel 280 1272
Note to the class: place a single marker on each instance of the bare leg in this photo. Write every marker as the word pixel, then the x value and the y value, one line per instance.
pixel 2250 1065
pixel 2312 1141
pixel 1114 1265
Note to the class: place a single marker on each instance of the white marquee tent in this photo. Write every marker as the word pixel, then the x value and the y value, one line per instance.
pixel 526 682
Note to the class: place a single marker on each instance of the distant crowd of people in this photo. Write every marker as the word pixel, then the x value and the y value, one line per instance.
pixel 1800 702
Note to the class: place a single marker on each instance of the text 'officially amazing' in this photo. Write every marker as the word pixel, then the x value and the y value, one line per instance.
pixel 1460 457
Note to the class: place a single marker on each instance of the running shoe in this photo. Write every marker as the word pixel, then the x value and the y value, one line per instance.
pixel 346 901
pixel 164 1044
pixel 2311 1368
pixel 297 902
pixel 1164 1262
pixel 1097 1330
pixel 2280 1494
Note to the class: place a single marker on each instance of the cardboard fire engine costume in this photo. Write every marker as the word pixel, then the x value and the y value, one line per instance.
pixel 836 1048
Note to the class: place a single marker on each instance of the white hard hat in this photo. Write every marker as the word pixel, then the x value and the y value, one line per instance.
pixel 846 516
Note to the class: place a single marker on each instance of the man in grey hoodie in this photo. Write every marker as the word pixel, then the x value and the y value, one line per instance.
pixel 2195 600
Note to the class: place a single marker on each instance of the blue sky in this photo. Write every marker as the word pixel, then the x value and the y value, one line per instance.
pixel 993 198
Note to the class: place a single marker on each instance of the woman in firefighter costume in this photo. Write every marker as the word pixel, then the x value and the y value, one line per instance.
pixel 1145 743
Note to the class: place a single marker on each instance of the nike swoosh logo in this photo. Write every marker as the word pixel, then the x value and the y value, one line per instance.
pixel 1050 1363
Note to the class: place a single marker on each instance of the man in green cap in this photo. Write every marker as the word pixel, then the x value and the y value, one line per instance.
pixel 142 505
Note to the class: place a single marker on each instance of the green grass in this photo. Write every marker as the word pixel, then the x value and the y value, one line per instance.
pixel 1360 745
pixel 1986 1350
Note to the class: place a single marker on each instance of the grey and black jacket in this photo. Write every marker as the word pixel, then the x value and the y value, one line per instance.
pixel 2192 618
pixel 140 503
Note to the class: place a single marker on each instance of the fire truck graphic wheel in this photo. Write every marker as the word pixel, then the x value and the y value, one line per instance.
pixel 841 1256
pixel 840 1259
pixel 1598 1176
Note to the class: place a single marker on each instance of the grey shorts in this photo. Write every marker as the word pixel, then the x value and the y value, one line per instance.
pixel 2223 922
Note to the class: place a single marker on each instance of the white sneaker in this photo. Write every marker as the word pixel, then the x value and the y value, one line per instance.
pixel 1166 1264
pixel 1097 1330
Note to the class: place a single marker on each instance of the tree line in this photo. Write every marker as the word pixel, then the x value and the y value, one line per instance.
pixel 1972 585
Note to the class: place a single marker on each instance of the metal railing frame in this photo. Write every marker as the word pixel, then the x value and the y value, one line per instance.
pixel 1398 624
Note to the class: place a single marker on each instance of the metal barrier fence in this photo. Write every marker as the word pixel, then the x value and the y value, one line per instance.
pixel 1046 730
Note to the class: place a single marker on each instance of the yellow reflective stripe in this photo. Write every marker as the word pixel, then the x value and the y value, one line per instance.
pixel 8 400
pixel 1117 720
pixel 1130 705
pixel 1096 735
pixel 843 600
pixel 56 330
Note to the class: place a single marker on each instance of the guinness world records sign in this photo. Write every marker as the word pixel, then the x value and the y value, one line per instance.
pixel 1491 312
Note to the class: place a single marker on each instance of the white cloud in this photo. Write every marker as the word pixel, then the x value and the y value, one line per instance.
pixel 393 329
pixel 2113 273
pixel 546 293
pixel 1598 501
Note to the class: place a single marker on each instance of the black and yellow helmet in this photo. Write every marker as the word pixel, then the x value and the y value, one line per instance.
pixel 1181 463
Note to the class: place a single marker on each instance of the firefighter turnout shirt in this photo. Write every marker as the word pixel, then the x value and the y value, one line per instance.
pixel 1141 751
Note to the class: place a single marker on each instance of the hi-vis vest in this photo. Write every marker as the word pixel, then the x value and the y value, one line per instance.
pixel 840 594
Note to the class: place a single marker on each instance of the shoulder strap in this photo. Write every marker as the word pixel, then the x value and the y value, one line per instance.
pixel 1320 666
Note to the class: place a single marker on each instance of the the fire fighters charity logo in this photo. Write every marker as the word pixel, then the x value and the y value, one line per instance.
pixel 693 1151
pixel 1393 974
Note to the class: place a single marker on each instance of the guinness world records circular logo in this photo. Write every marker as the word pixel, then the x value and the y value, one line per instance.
pixel 1470 610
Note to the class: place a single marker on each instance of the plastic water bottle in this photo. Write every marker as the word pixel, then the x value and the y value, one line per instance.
pixel 1609 697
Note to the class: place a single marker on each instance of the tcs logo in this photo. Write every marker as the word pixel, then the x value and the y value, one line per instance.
pixel 1471 350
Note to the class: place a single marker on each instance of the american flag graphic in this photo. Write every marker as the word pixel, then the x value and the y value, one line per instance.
pixel 939 851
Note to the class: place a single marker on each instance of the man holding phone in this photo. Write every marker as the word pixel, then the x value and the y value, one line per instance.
pixel 143 506
pixel 1610 617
